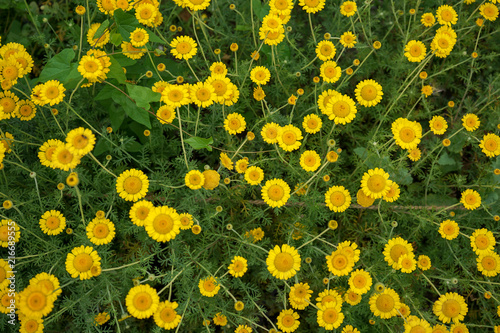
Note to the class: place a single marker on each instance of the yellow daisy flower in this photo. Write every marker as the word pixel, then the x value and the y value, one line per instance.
pixel 341 109
pixel 329 295
pixel 139 37
pixel 35 302
pixel 97 41
pixel 406 133
pixel 203 94
pixel 166 316
pixel 270 132
pixel 260 75
pixel 450 307
pixel 234 123
pixel 194 179
pixel 488 263
pixel 163 224
pixel 375 183
pixel 482 241
pixel 142 301
pixel 254 175
pixel 226 161
pixel 31 325
pixel 424 262
pixel 275 192
pixel 222 87
pixel 338 198
pixel 360 281
pixel 393 193
pixel 63 158
pixel 197 4
pixel 312 123
pixel 348 39
pixel 489 11
pixel 81 141
pixel 325 50
pixel 329 316
pixel 5 274
pixel 288 320
pixel 175 95
pixel 449 229
pixel 209 286
pixel 212 179
pixel 80 261
pixel 470 122
pixel 340 263
pixel 348 8
pixel 132 185
pixel 46 152
pixel 368 93
pixel 364 200
pixel 330 72
pixel 395 248
pixel 415 51
pixel 385 304
pixel 446 15
pixel 442 45
pixel 470 199
pixel 52 92
pixel 352 297
pixel 9 104
pixel 183 47
pixel 490 145
pixel 218 68
pixel 258 93
pixel 238 266
pixel 310 160
pixel 100 231
pixel 427 20
pixel 52 222
pixel 25 110
pixel 438 125
pixel 146 13
pixel 283 262
pixel 165 114
pixel 91 69
pixel 407 263
pixel 288 138
pixel 139 212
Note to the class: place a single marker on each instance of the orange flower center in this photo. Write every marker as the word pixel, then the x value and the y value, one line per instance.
pixel 132 185
pixel 203 94
pixel 283 262
pixel 143 301
pixel 168 315
pixel 330 316
pixel 451 308
pixel 341 109
pixel 385 303
pixel 101 230
pixel 482 242
pixel 337 198
pixel 289 138
pixel 369 92
pixel 407 134
pixel 163 223
pixel 330 71
pixel 36 301
pixel 276 192
pixel 183 47
pixel 83 262
pixel 142 213
pixel 397 251
pixel 288 320
pixel 53 222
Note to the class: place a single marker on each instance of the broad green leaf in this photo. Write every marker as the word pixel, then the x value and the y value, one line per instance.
pixel 361 152
pixel 445 159
pixel 116 39
pixel 259 9
pixel 143 95
pixel 105 93
pixel 127 23
pixel 116 116
pixel 131 109
pixel 102 28
pixel 200 143
pixel 101 147
pixel 73 77
pixel 58 67
pixel 116 71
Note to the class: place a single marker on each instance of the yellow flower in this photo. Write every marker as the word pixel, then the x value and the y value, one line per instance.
pixel 25 110
pixel 360 281
pixel 288 320
pixel 415 324
pixel 489 11
pixel 212 179
pixel 488 263
pixel 341 109
pixel 350 329
pixel 203 94
pixel 271 22
pixel 52 92
pixel 329 315
pixel 165 114
pixel 64 159
pixel 470 122
pixel 100 231
pixel 446 15
pixel 427 90
pixel 427 20
pixel 368 93
pixel 80 10
pixel 449 229
pixel 470 199
pixel 442 44
pixel 31 324
pixel 218 68
pixel 258 94
pixel 222 87
pixel 325 50
pixel 415 51
pixel 175 95
pixel 385 304
pixel 80 261
pixel 275 192
pixel 406 133
pixel 450 307
pixel 52 222
pixel 139 37
pixel 106 6
pixel 102 318
pixel 197 4
pixel 364 200
pixel 288 138
pixel 238 266
pixel 394 249
pixel 209 286
pixel 5 274
pixel 35 301
pixel 424 262
pixel 220 319
pixel 9 104
pixel 91 69
pixel 194 179
pixel 234 123
pixel 139 212
pixel 132 185
pixel 310 160
pixel 147 13
pixel 348 8
pixel 299 296
pixel 407 263
pixel 282 7
pixel 375 183
pixel 163 224
pixel 414 154
pixel 348 39
pixel 142 301
pixel 438 125
pixel 81 141
pixel 312 6
pixel 241 165
pixel 260 75
pixel 131 52
pixel 243 329
pixel 338 198
pixel 254 175
pixel 330 72
pixel 324 98
pixel 490 145
pixel 166 316
pixel 482 241
pixel 226 161
pixel 270 132
pixel 283 263
pixel 340 263
pixel 183 47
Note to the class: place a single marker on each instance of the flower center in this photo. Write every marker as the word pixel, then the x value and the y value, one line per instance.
pixel 482 242
pixel 209 285
pixel 10 72
pixel 407 134
pixel 4 233
pixel 359 281
pixel 146 13
pixel 310 161
pixel 470 199
pixel 52 92
pixel 376 183
pixel 254 175
pixel 168 315
pixel 330 316
pixel 83 262
pixel 385 303
pixel 415 50
pixel 219 70
pixel 36 301
pixel 8 104
pixel 272 23
pixel 312 123
pixel 288 320
pixel 195 179
pixel 80 141
pixel 138 36
pixel 101 230
pixel 369 92
pixel 25 110
pixel 489 263
pixel 31 326
pixel 142 213
pixel 330 72
pixel 183 47
pixel 446 15
pixel 326 50
pixel 271 133
pixel 491 145
pixel 289 138
pixel 203 94
pixel 340 261
pixel 234 124
pixel 418 329
pixel 65 156
pixel 53 222
pixel 449 229
pixel 281 4
pixel 341 109
pixel 337 198
pixel 142 301
pixel 283 262
pixel 443 43
pixel 132 185
pixel 397 251
pixel 220 87
pixel 276 192
pixel 175 95
pixel 451 308
pixel 163 223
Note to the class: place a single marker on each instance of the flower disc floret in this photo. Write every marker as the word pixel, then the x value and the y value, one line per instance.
pixel 337 198
pixel 142 301
pixel 368 93
pixel 385 304
pixel 283 262
pixel 406 133
pixel 183 47
pixel 132 185
pixel 450 307
pixel 275 192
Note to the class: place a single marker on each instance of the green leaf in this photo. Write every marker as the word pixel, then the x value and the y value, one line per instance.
pixel 116 39
pixel 116 116
pixel 243 27
pixel 361 152
pixel 259 9
pixel 127 23
pixel 116 71
pixel 101 147
pixel 105 93
pixel 131 109
pixel 200 143
pixel 143 96
pixel 73 77
pixel 102 28
pixel 58 67
pixel 445 159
